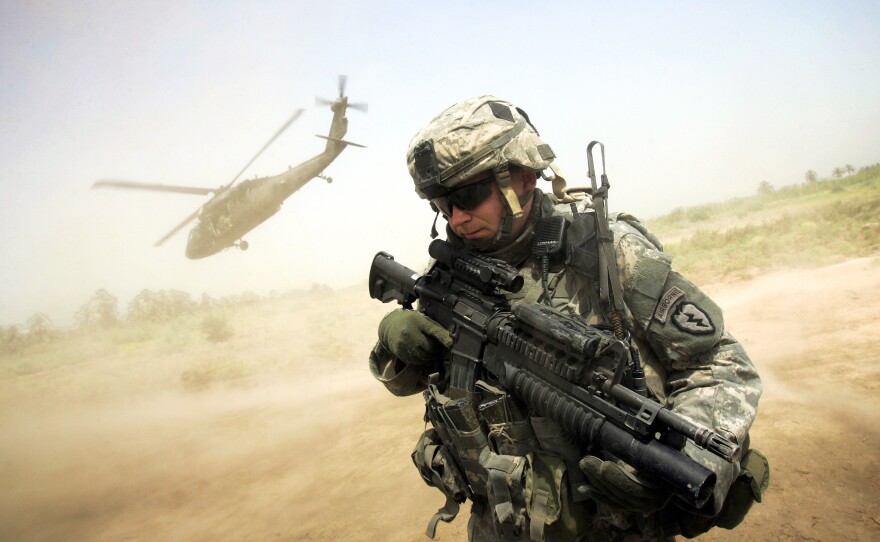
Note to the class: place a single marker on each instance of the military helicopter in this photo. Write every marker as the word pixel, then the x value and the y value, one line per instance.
pixel 236 209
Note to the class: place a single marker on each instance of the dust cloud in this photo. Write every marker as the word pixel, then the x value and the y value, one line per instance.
pixel 309 447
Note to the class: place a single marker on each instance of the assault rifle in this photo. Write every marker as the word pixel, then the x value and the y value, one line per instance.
pixel 561 368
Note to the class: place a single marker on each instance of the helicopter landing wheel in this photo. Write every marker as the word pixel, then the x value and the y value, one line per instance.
pixel 243 245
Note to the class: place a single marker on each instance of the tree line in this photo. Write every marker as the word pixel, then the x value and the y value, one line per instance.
pixel 101 312
pixel 811 177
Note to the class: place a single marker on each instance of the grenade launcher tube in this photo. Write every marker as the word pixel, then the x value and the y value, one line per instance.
pixel 576 410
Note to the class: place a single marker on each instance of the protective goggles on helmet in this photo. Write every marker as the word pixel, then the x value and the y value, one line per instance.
pixel 466 198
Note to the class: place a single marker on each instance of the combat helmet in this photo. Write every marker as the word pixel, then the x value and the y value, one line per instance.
pixel 473 136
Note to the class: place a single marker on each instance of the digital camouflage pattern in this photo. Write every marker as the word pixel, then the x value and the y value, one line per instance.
pixel 709 377
pixel 691 362
pixel 477 135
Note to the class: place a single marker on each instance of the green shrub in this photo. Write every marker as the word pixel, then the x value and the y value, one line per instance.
pixel 204 374
pixel 216 327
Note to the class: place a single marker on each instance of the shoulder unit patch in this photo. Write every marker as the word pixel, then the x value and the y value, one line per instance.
pixel 692 319
pixel 667 302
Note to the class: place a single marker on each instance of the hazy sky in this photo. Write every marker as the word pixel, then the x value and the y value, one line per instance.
pixel 695 101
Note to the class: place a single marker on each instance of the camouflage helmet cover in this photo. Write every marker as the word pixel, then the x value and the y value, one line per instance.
pixel 473 136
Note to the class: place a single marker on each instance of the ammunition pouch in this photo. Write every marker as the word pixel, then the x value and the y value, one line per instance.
pixel 459 428
pixel 510 431
pixel 511 465
pixel 512 438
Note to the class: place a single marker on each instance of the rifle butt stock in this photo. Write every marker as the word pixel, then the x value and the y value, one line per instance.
pixel 392 281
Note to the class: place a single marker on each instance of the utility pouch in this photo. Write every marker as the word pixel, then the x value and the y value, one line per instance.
pixel 445 455
pixel 555 441
pixel 506 493
pixel 437 467
pixel 582 250
pixel 746 490
pixel 544 493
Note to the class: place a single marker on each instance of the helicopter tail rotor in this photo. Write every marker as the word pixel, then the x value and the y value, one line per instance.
pixel 343 80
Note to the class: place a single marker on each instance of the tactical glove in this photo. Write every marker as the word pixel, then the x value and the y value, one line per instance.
pixel 611 485
pixel 413 338
pixel 746 490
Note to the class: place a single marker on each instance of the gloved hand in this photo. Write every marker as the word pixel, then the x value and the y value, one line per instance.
pixel 413 337
pixel 610 484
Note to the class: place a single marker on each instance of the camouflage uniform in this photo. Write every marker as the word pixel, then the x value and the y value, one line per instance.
pixel 693 366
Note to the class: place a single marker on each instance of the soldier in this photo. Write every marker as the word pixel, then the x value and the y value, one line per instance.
pixel 479 163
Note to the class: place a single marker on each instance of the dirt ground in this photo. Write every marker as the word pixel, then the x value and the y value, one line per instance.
pixel 118 449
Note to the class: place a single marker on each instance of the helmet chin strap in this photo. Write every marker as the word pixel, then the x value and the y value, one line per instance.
pixel 514 249
pixel 502 178
pixel 513 209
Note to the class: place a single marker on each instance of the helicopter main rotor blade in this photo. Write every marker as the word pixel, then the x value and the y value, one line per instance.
pixel 180 226
pixel 115 183
pixel 280 131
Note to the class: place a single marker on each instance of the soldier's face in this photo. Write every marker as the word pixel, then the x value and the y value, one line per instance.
pixel 483 220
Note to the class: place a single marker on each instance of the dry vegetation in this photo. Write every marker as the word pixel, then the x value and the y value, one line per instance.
pixel 257 419
pixel 807 225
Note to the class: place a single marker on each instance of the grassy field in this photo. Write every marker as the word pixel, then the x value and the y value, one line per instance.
pixel 798 226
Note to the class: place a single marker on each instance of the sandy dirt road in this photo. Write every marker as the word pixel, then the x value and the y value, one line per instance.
pixel 313 449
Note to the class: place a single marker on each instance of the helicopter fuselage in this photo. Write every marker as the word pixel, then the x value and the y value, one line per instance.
pixel 236 211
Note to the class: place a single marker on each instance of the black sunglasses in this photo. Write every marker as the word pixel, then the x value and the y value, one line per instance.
pixel 466 198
